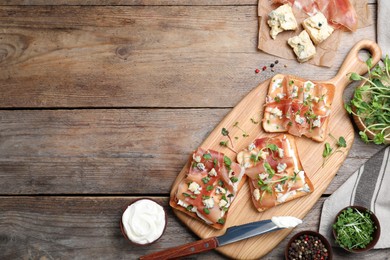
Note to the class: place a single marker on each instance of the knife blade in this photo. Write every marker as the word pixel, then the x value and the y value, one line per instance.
pixel 232 234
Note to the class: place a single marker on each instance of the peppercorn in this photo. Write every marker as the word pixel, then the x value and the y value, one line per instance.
pixel 276 62
pixel 257 71
pixel 307 247
pixel 272 65
pixel 264 68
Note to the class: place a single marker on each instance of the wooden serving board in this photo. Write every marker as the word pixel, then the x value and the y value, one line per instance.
pixel 310 152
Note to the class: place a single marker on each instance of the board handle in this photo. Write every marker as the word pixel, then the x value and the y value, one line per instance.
pixel 353 63
pixel 184 250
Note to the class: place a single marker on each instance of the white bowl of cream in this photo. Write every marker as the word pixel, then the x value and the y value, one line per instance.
pixel 143 221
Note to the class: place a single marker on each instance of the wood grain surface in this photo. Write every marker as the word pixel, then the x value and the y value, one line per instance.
pixel 310 154
pixel 102 101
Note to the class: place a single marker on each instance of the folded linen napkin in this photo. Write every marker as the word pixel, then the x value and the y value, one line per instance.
pixel 383 32
pixel 367 187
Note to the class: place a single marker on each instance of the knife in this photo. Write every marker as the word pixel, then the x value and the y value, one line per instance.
pixel 232 234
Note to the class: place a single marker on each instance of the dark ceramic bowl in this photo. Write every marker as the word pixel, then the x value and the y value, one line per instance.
pixel 308 233
pixel 123 229
pixel 375 235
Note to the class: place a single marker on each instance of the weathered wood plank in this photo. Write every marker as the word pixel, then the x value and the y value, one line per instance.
pixel 134 2
pixel 190 56
pixel 125 151
pixel 88 227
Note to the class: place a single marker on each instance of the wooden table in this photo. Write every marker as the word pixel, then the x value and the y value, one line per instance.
pixel 103 101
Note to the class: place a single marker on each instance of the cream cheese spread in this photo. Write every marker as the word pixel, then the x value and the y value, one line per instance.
pixel 144 221
pixel 286 221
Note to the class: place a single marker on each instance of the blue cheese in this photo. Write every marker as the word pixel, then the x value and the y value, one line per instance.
pixel 201 166
pixel 220 190
pixel 302 46
pixel 196 158
pixel 277 83
pixel 318 28
pixel 283 197
pixel 281 95
pixel 251 146
pixel 299 120
pixel 317 122
pixel 281 19
pixel 279 188
pixel 281 152
pixel 308 85
pixel 208 203
pixel 194 187
pixel 212 172
pixel 281 167
pixel 294 93
pixel 263 176
pixel 276 112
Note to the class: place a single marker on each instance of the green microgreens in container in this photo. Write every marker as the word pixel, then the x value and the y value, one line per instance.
pixel 371 102
pixel 354 229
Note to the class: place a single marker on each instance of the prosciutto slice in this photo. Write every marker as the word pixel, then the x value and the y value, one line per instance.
pixel 304 109
pixel 209 188
pixel 340 13
pixel 275 173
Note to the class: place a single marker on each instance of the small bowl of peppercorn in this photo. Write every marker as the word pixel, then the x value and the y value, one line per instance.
pixel 356 229
pixel 308 245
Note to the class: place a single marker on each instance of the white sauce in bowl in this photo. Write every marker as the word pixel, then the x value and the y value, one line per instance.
pixel 144 221
pixel 286 221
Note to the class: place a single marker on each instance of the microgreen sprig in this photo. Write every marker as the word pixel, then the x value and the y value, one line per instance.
pixel 328 150
pixel 371 102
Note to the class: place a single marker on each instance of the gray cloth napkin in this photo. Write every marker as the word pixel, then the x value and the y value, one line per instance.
pixel 383 32
pixel 368 187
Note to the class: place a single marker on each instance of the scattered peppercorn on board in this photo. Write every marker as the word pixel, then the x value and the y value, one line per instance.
pixel 248 113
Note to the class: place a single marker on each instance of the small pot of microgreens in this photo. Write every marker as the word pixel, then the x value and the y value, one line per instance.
pixel 370 104
pixel 356 229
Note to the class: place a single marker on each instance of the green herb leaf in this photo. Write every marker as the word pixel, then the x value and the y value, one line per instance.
pixel 266 188
pixel 379 138
pixel 225 132
pixel 341 142
pixel 205 179
pixel 327 150
pixel 221 221
pixel 348 107
pixel 209 187
pixel 234 179
pixel 364 136
pixel 355 76
pixel 206 210
pixel 224 143
pixel 227 161
pixel 269 169
pixel 189 195
pixel 220 183
pixel 272 147
pixel 207 156
pixel 369 63
pixel 189 207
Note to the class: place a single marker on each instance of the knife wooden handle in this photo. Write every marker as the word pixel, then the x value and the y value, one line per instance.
pixel 184 250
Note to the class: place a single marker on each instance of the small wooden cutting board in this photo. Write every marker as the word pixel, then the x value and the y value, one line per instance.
pixel 310 152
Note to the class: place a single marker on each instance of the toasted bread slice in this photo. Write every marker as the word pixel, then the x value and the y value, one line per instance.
pixel 304 108
pixel 275 172
pixel 209 187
